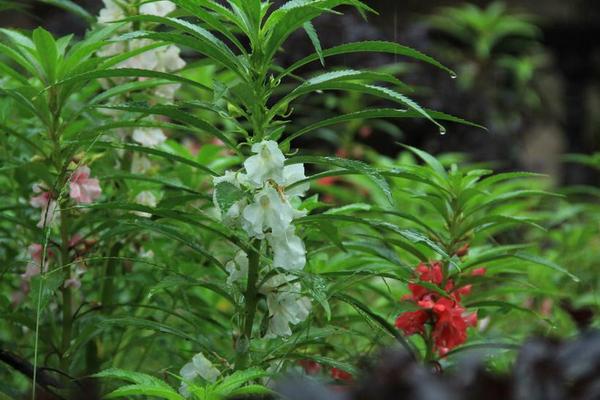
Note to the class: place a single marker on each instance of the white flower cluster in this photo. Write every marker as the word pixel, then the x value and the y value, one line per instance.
pixel 161 59
pixel 269 216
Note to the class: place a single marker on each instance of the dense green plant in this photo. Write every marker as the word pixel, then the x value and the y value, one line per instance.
pixel 212 265
pixel 492 44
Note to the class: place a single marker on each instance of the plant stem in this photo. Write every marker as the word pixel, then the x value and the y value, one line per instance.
pixel 251 300
pixel 67 309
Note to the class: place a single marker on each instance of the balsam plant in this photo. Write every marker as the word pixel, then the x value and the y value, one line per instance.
pixel 217 269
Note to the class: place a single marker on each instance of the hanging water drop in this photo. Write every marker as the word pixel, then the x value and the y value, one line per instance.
pixel 442 130
pixel 453 75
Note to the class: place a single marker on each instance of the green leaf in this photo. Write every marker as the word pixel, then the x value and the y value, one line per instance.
pixel 43 288
pixel 202 41
pixel 374 90
pixel 544 262
pixel 47 53
pixel 128 73
pixel 429 160
pixel 294 14
pixel 131 376
pixel 227 195
pixel 252 390
pixel 381 322
pixel 177 114
pixel 350 165
pixel 314 38
pixel 158 153
pixel 486 345
pixel 324 80
pixel 368 46
pixel 372 114
pixel 139 323
pixel 145 390
pixel 227 385
pixel 195 8
pixel 173 233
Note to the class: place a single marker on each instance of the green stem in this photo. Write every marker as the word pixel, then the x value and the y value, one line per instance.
pixel 67 306
pixel 251 300
pixel 108 285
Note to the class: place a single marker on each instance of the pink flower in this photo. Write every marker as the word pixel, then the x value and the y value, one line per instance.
pixel 83 188
pixel 48 205
pixel 73 283
pixel 478 272
pixel 35 251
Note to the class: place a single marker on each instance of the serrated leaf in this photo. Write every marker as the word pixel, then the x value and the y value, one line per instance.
pixel 227 194
pixel 314 38
pixel 351 165
pixel 145 390
pixel 370 47
pixel 372 114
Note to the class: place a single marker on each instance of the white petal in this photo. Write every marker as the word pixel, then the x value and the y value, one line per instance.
pixel 145 198
pixel 266 164
pixel 205 368
pixel 288 250
pixel 184 390
pixel 237 268
pixel 188 372
pixel 269 211
pixel 158 8
pixel 149 137
pixel 286 307
pixel 292 174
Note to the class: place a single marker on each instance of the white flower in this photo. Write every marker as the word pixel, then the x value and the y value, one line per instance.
pixel 234 212
pixel 158 8
pixel 288 250
pixel 149 136
pixel 237 268
pixel 145 60
pixel 292 174
pixel 112 49
pixel 266 164
pixel 145 198
pixel 111 12
pixel 140 164
pixel 286 305
pixel 200 367
pixel 269 211
pixel 168 59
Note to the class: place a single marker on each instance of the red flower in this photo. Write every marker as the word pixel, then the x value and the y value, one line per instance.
pixel 449 319
pixel 412 322
pixel 478 272
pixel 327 181
pixel 450 329
pixel 341 375
pixel 417 291
pixel 310 367
pixel 431 273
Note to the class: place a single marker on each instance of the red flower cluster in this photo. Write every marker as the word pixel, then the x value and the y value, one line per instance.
pixel 448 318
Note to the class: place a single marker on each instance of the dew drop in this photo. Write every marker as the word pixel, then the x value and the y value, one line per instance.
pixel 453 75
pixel 442 130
